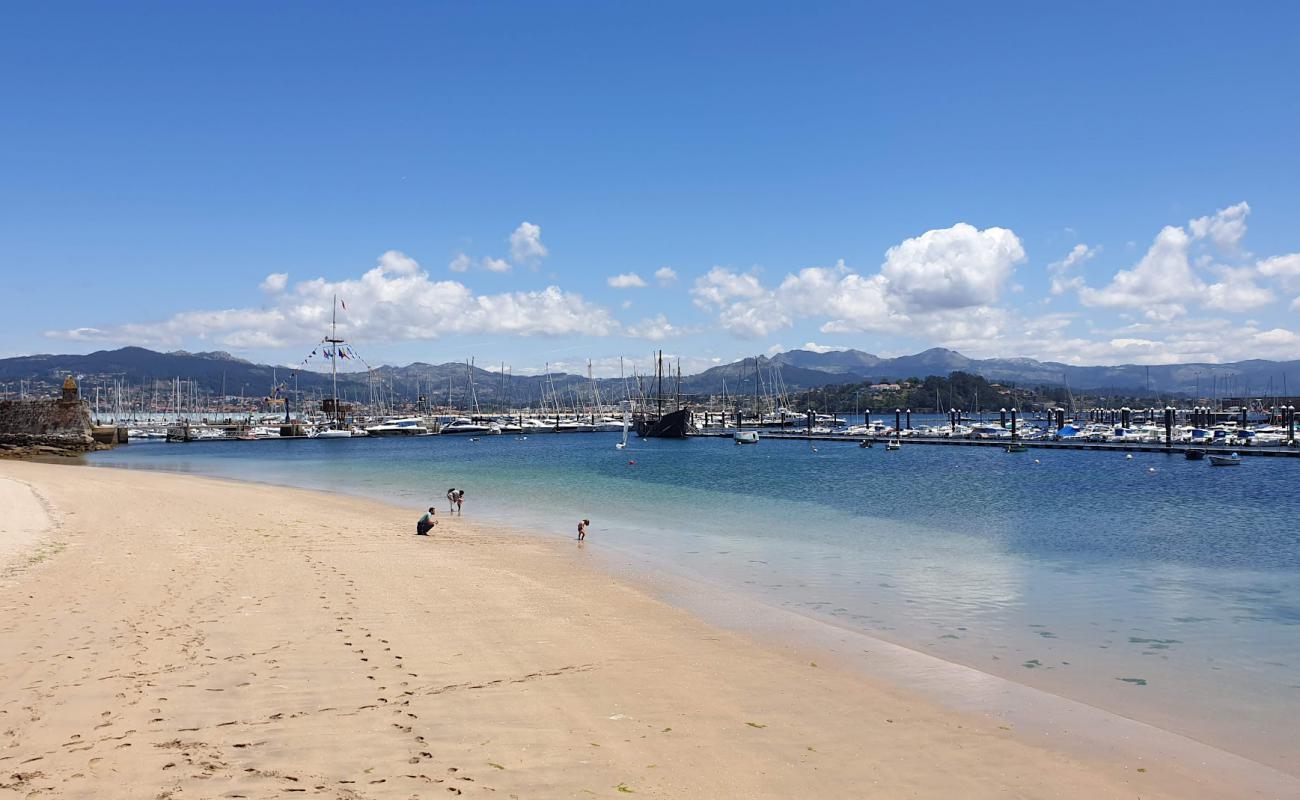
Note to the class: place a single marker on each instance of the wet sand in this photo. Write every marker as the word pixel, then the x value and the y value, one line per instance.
pixel 172 636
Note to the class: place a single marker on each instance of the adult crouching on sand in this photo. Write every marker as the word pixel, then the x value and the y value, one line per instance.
pixel 426 522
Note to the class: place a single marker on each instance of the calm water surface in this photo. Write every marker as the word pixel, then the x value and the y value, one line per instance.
pixel 1171 596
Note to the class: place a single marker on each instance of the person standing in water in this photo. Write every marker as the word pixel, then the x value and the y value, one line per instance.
pixel 451 501
pixel 582 529
pixel 460 498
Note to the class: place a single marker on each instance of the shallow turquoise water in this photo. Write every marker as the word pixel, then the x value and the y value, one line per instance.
pixel 1170 596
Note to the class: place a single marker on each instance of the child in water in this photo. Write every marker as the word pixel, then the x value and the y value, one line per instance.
pixel 582 529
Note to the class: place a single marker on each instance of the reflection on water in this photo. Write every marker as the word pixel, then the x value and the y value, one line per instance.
pixel 1172 596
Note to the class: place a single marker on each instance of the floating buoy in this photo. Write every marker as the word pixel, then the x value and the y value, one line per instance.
pixel 632 461
pixel 1151 470
pixel 1128 456
pixel 1036 461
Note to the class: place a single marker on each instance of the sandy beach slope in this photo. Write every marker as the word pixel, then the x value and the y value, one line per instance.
pixel 174 637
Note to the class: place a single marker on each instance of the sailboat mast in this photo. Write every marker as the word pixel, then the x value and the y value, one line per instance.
pixel 659 373
pixel 334 358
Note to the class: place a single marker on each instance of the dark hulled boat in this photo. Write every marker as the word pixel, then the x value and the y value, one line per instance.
pixel 660 424
pixel 673 425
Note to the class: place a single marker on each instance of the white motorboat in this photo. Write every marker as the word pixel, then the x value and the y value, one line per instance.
pixel 332 433
pixel 466 425
pixel 745 437
pixel 407 426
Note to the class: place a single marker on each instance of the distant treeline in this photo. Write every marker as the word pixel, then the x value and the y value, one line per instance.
pixel 959 390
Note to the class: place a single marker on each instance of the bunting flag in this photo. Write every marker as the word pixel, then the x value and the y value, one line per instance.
pixel 343 303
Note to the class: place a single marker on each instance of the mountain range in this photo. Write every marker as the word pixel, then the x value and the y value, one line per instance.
pixel 797 370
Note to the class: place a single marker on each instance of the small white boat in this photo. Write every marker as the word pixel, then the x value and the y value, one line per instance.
pixel 1233 460
pixel 893 444
pixel 745 437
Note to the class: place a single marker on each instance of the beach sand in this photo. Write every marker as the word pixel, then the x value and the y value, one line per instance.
pixel 171 636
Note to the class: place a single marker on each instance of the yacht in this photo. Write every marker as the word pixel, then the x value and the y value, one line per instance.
pixel 407 426
pixel 332 433
pixel 467 425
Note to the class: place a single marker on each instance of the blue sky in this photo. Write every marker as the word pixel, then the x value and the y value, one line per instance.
pixel 1102 184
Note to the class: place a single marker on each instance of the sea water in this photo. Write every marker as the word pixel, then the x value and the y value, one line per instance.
pixel 1158 588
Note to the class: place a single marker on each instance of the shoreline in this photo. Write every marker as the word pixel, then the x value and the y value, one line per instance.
pixel 579 613
pixel 1041 705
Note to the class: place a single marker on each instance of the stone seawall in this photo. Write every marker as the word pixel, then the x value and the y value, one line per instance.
pixel 43 426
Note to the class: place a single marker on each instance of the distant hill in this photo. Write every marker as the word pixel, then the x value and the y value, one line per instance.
pixel 796 369
pixel 803 369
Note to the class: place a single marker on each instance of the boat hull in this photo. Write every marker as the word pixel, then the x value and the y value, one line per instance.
pixel 673 425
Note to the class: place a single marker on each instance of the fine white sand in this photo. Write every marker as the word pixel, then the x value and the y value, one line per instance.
pixel 22 521
pixel 196 638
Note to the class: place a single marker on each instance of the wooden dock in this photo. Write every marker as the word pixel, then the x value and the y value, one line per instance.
pixel 1284 451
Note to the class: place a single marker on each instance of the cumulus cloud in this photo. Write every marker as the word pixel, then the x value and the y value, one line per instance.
pixel 813 347
pixel 1062 280
pixel 495 264
pixel 720 284
pixel 1237 291
pixel 1160 282
pixel 275 282
pixel 654 329
pixel 666 276
pixel 1284 269
pixel 628 280
pixel 955 267
pixel 461 263
pixel 526 244
pixel 395 300
pixel 1225 227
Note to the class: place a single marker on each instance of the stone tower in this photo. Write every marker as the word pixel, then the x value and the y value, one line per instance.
pixel 71 394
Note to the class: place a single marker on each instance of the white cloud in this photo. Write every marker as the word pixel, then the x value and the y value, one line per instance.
pixel 1062 281
pixel 495 264
pixel 1225 228
pixel 955 267
pixel 461 263
pixel 1284 269
pixel 395 262
pixel 1276 338
pixel 628 280
pixel 721 284
pixel 666 276
pixel 275 282
pixel 395 300
pixel 1159 282
pixel 813 347
pixel 754 319
pixel 655 330
pixel 526 244
pixel 1237 291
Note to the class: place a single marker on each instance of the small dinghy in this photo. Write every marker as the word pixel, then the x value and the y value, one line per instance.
pixel 1233 460
pixel 1194 455
pixel 865 443
pixel 893 445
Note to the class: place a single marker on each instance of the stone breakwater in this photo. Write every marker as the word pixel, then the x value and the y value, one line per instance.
pixel 45 427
